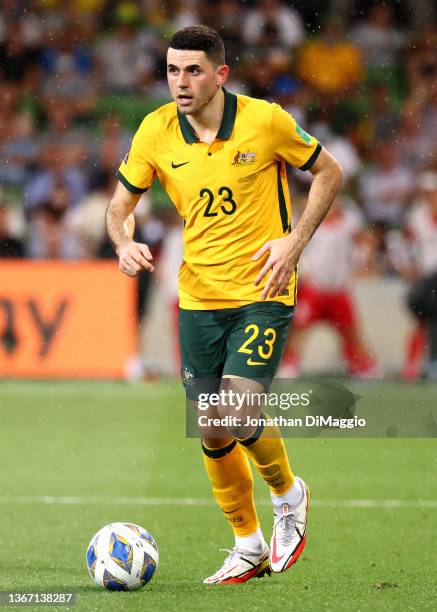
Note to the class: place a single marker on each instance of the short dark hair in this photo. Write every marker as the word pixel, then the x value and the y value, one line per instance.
pixel 200 38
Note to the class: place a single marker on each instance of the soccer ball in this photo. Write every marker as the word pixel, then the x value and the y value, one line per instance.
pixel 122 557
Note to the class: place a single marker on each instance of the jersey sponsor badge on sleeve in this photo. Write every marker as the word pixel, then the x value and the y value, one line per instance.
pixel 304 135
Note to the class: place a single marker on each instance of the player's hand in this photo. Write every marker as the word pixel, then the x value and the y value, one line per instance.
pixel 134 257
pixel 284 254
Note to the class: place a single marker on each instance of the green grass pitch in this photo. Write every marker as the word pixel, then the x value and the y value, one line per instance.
pixel 74 456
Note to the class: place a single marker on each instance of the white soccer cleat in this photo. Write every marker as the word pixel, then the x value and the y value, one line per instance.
pixel 289 533
pixel 240 566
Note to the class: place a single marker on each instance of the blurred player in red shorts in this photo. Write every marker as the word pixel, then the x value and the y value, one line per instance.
pixel 324 293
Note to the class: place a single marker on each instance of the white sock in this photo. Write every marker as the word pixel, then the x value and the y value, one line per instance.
pixel 253 543
pixel 292 498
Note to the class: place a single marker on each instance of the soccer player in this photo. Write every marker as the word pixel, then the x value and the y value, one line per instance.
pixel 221 158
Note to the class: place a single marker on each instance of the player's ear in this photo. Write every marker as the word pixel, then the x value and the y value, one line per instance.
pixel 222 74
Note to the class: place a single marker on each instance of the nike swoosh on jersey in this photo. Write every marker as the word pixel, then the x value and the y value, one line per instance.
pixel 250 362
pixel 173 165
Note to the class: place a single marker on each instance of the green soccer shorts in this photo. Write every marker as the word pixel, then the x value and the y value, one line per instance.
pixel 246 341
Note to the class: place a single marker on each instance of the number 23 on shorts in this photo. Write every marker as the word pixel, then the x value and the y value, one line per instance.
pixel 264 346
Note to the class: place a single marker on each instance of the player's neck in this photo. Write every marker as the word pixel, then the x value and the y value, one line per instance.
pixel 207 123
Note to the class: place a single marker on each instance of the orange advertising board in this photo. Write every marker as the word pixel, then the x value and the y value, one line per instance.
pixel 65 319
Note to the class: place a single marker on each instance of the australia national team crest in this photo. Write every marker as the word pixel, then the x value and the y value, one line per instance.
pixel 245 158
pixel 187 376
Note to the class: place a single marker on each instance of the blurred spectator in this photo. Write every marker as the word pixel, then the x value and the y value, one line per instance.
pixel 267 58
pixel 386 187
pixel 49 236
pixel 127 58
pixel 341 147
pixel 275 23
pixel 418 135
pixel 53 171
pixel 187 14
pixel 67 85
pixel 9 97
pixel 327 267
pixel 230 15
pixel 330 63
pixel 293 96
pixel 19 151
pixel 415 144
pixel 421 65
pixel 259 79
pixel 87 220
pixel 378 39
pixel 384 115
pixel 16 59
pixel 10 245
pixel 421 104
pixel 73 44
pixel 72 138
pixel 111 144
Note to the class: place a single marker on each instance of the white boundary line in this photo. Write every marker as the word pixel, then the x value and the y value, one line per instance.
pixel 192 501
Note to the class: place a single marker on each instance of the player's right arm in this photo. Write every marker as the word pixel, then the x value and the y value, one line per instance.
pixel 133 256
pixel 136 174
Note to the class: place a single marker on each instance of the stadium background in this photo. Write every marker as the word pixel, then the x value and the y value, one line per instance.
pixel 75 80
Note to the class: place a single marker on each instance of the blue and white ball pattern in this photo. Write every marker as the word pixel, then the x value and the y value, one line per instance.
pixel 122 557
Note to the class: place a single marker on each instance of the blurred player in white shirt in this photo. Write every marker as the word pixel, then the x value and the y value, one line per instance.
pixel 326 271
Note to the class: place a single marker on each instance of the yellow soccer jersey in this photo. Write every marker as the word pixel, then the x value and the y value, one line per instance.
pixel 232 194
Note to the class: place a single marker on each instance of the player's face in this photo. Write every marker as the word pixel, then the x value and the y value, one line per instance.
pixel 192 79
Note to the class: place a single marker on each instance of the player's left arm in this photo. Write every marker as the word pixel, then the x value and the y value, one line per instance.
pixel 284 252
